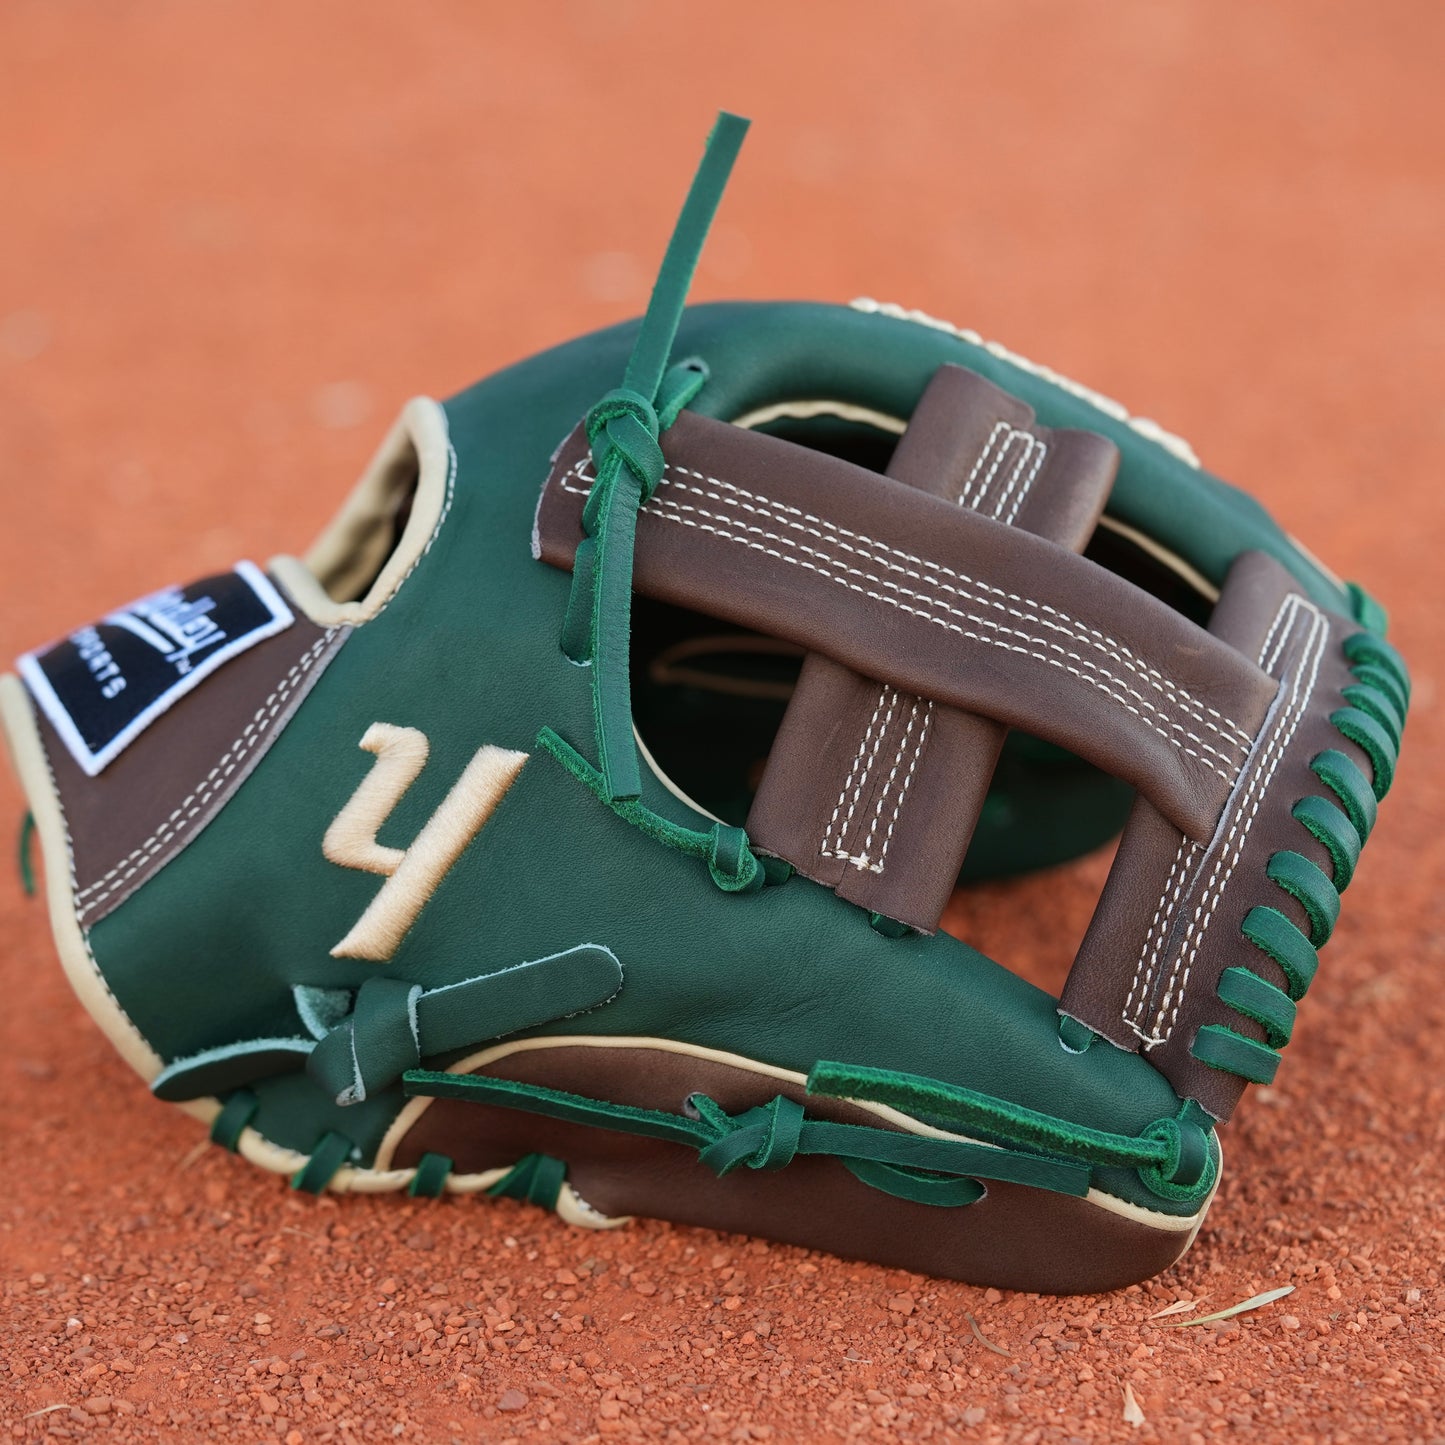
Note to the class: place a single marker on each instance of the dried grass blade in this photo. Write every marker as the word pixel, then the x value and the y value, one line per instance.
pixel 1177 1308
pixel 1133 1415
pixel 1253 1303
pixel 988 1344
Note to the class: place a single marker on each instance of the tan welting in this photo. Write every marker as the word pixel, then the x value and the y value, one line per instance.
pixel 412 1112
pixel 350 841
pixel 801 410
pixel 415 460
pixel 43 798
pixel 1150 430
pixel 415 874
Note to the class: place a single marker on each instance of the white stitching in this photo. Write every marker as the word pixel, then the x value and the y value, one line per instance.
pixel 1078 632
pixel 1158 935
pixel 1064 622
pixel 1188 876
pixel 907 783
pixel 863 779
pixel 886 790
pixel 1010 434
pixel 1153 924
pixel 215 779
pixel 1263 775
pixel 1038 450
pixel 853 771
pixel 1150 430
pixel 988 446
pixel 666 509
pixel 1284 608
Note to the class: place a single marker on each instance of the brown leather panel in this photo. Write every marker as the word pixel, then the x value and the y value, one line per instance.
pixel 937 601
pixel 1167 925
pixel 127 823
pixel 878 792
pixel 1013 1238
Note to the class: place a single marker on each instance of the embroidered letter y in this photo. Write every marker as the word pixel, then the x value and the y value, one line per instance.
pixel 412 874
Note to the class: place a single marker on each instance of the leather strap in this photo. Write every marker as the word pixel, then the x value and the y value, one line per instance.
pixel 1167 926
pixel 877 792
pixel 936 601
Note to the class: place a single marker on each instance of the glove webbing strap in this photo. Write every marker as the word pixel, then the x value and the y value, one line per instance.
pixel 886 817
pixel 1199 948
pixel 936 601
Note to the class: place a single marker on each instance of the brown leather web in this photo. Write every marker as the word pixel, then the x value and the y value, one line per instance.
pixel 946 602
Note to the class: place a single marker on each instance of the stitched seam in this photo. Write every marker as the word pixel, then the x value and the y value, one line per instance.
pixel 1002 430
pixel 1039 451
pixel 999 453
pixel 1086 677
pixel 852 772
pixel 666 504
pixel 665 514
pixel 1063 622
pixel 885 792
pixel 1082 632
pixel 863 779
pixel 166 830
pixel 215 779
pixel 907 783
pixel 659 503
pixel 1228 777
pixel 1163 914
pixel 988 446
pixel 1279 617
pixel 1288 608
pixel 1239 835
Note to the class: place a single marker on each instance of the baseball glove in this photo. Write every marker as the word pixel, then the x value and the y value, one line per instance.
pixel 575 821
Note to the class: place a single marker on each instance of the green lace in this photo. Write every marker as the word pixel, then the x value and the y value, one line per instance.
pixel 623 430
pixel 1173 1156
pixel 1374 720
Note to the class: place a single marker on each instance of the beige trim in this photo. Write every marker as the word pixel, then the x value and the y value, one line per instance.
pixel 805 410
pixel 413 875
pixel 416 460
pixel 402 1124
pixel 1149 430
pixel 33 769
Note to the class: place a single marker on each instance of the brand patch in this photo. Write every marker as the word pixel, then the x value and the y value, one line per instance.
pixel 106 683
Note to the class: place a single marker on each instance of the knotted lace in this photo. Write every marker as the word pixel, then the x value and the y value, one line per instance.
pixel 623 430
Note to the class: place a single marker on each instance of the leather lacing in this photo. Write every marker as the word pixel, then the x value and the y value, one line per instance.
pixel 1377 702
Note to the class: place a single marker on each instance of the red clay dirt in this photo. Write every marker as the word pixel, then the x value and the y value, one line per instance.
pixel 236 238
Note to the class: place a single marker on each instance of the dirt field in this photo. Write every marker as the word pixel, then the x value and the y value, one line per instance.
pixel 234 238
